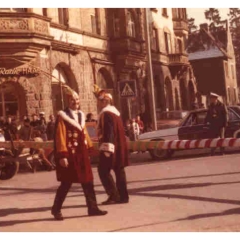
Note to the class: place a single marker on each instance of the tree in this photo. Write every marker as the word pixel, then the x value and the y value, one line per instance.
pixel 212 14
pixel 191 25
pixel 234 19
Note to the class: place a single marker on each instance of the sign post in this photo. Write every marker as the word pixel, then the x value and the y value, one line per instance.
pixel 128 89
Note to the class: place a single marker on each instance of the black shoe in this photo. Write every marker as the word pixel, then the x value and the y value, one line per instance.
pixel 123 201
pixel 96 212
pixel 50 168
pixel 110 201
pixel 57 215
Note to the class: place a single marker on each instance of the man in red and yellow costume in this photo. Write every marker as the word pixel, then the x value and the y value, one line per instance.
pixel 113 149
pixel 71 146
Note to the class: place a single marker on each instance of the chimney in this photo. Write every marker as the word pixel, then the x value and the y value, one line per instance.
pixel 204 26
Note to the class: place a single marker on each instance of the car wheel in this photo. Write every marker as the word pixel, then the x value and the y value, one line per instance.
pixel 8 170
pixel 161 154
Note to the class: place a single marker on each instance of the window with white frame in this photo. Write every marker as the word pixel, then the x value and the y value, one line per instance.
pixel 131 28
pixel 226 69
pixel 116 25
pixel 232 71
pixel 154 39
pixel 94 24
pixel 167 38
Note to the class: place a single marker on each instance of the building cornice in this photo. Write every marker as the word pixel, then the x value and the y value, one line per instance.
pixel 23 15
pixel 76 30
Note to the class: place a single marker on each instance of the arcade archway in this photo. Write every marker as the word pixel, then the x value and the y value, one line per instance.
pixel 12 100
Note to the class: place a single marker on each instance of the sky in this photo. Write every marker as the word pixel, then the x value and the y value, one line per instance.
pixel 198 14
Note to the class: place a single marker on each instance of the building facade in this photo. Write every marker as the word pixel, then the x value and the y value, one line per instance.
pixel 212 57
pixel 43 49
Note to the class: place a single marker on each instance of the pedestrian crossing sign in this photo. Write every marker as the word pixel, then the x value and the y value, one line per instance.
pixel 127 89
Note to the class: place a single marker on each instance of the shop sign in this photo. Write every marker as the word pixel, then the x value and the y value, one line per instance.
pixel 19 71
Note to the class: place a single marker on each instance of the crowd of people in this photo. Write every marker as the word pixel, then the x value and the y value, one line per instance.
pixel 27 129
pixel 134 127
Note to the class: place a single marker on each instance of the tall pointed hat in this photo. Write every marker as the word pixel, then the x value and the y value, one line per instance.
pixel 101 93
pixel 69 91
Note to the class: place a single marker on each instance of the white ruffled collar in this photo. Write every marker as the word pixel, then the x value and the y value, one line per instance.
pixel 72 121
pixel 111 109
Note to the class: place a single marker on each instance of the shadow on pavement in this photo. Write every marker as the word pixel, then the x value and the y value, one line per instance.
pixel 184 177
pixel 177 186
pixel 138 226
pixel 10 211
pixel 14 222
pixel 207 215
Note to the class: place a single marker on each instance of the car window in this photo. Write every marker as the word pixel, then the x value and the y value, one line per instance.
pixel 196 118
pixel 201 117
pixel 232 116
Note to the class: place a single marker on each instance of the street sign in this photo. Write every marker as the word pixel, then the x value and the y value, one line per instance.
pixel 127 89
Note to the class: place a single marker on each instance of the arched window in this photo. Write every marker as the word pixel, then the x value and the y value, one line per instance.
pixel 131 26
pixel 59 78
pixel 104 80
pixel 12 100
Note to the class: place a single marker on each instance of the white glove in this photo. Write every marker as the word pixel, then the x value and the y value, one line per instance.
pixel 64 162
pixel 107 154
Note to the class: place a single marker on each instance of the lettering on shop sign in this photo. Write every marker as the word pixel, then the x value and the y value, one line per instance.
pixel 19 71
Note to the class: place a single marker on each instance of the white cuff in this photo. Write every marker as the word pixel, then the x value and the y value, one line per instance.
pixel 107 154
pixel 107 147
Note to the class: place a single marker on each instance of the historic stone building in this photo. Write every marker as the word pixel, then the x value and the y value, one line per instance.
pixel 43 49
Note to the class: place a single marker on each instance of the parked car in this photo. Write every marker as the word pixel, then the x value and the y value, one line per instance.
pixel 168 119
pixel 192 126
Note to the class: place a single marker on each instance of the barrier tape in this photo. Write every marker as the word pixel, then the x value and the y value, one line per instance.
pixel 144 145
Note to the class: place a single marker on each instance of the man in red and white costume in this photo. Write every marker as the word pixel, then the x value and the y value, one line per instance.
pixel 71 147
pixel 113 149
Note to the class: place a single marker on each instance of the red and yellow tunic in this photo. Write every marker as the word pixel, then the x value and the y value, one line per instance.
pixel 72 142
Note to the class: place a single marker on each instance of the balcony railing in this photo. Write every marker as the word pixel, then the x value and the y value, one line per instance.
pixel 178 59
pixel 180 25
pixel 23 36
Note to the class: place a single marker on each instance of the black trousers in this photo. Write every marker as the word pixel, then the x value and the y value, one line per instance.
pixel 63 190
pixel 217 133
pixel 116 191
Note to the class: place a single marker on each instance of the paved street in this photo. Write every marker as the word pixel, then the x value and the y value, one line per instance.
pixel 191 194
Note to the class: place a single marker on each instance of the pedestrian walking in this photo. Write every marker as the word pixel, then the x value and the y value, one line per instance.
pixel 217 118
pixel 134 130
pixel 140 124
pixel 113 149
pixel 71 147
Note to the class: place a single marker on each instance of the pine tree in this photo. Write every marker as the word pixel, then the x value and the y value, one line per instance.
pixel 234 19
pixel 212 14
pixel 191 25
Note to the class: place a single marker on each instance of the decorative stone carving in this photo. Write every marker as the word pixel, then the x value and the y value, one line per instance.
pixel 40 26
pixel 14 24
